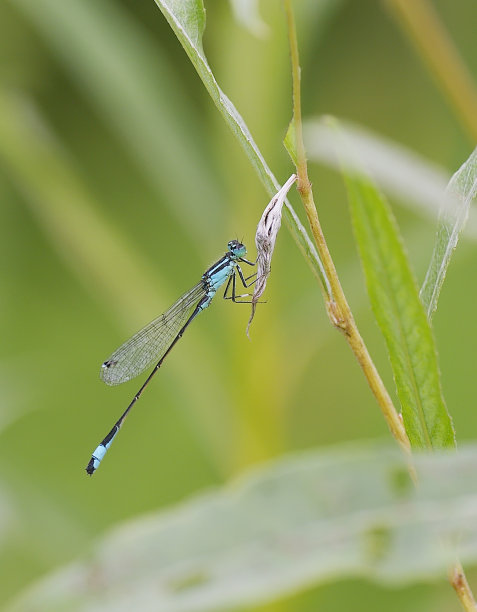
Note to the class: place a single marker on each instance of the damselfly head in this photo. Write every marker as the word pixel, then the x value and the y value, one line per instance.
pixel 237 248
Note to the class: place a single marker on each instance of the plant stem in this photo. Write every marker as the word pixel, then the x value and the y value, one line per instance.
pixel 339 311
pixel 459 583
pixel 423 27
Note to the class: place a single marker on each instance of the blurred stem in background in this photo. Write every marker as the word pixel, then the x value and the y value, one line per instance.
pixel 338 309
pixel 422 26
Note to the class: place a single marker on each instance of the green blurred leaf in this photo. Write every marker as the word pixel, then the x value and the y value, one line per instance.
pixel 135 90
pixel 290 141
pixel 67 212
pixel 297 521
pixel 400 315
pixel 462 190
pixel 416 182
pixel 247 13
pixel 187 21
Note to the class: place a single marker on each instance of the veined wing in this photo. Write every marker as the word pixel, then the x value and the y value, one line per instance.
pixel 150 343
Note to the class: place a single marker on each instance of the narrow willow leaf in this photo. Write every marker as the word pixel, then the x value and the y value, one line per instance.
pixel 296 522
pixel 413 180
pixel 400 316
pixel 461 191
pixel 187 19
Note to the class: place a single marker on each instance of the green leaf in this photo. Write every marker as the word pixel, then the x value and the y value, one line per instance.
pixel 462 189
pixel 290 141
pixel 296 522
pixel 414 181
pixel 247 13
pixel 400 316
pixel 187 20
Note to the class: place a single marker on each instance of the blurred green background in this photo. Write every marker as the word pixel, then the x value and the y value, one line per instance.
pixel 119 185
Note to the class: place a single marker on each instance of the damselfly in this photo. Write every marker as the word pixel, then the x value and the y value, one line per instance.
pixel 155 341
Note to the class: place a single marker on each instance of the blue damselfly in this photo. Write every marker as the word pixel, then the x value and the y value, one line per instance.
pixel 155 341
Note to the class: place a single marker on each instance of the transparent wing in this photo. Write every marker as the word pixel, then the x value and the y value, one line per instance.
pixel 150 343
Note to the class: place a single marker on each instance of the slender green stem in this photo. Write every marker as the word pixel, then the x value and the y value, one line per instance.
pixel 338 308
pixel 461 586
pixel 423 27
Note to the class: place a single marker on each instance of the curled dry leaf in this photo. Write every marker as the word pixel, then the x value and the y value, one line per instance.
pixel 265 238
